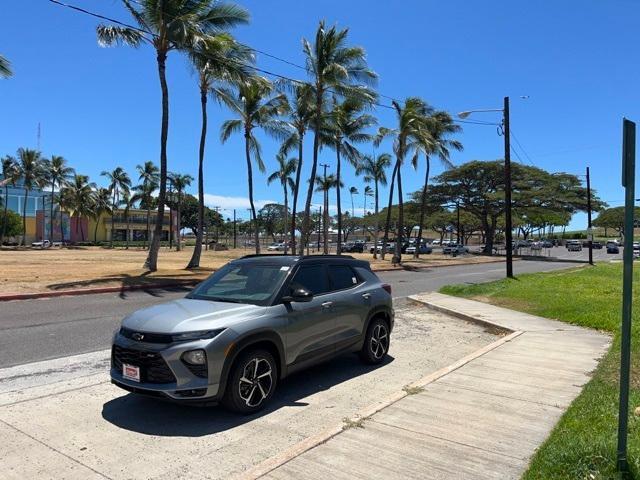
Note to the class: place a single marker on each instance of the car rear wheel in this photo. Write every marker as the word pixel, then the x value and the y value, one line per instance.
pixel 252 382
pixel 376 342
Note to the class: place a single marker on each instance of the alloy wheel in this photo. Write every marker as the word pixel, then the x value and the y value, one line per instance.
pixel 379 341
pixel 256 381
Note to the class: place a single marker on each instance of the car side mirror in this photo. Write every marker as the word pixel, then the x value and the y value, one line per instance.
pixel 298 295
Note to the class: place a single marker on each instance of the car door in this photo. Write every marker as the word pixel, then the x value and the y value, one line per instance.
pixel 310 325
pixel 351 303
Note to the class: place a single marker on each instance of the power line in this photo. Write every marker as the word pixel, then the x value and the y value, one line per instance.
pixel 522 148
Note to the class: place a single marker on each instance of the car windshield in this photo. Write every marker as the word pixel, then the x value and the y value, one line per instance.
pixel 242 283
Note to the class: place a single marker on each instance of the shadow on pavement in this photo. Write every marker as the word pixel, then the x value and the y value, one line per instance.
pixel 155 417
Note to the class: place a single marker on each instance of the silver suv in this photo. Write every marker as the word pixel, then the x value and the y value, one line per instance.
pixel 249 325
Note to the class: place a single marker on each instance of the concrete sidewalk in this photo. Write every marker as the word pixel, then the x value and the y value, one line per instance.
pixel 482 419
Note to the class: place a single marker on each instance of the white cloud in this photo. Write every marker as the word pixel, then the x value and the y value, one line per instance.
pixel 239 203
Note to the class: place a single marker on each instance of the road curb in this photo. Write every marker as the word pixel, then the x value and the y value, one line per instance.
pixel 89 291
pixel 421 267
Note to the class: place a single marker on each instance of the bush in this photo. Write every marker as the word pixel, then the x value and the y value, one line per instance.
pixel 12 224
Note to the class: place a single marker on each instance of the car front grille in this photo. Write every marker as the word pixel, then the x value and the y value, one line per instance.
pixel 145 336
pixel 153 368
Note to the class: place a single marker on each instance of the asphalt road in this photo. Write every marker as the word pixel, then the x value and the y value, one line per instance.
pixel 34 330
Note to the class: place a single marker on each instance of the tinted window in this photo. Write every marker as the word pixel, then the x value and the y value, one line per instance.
pixel 342 277
pixel 312 278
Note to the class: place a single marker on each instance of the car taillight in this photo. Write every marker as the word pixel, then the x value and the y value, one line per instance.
pixel 387 287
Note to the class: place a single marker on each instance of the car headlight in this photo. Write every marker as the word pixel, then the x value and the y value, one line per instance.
pixel 195 357
pixel 197 335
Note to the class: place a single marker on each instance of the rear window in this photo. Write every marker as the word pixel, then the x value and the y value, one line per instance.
pixel 342 276
pixel 313 278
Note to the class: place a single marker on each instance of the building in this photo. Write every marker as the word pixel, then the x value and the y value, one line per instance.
pixel 14 196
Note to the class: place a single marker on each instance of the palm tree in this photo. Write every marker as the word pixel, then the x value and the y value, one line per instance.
pixel 367 192
pixel 256 105
pixel 439 125
pixel 31 170
pixel 180 183
pixel 286 168
pixel 333 66
pixel 353 191
pixel 102 205
pixel 5 67
pixel 10 174
pixel 216 58
pixel 169 25
pixel 119 182
pixel 128 201
pixel 325 184
pixel 408 136
pixel 375 170
pixel 148 175
pixel 78 198
pixel 301 115
pixel 58 174
pixel 346 128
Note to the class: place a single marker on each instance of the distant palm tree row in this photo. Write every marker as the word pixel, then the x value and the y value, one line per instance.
pixel 75 194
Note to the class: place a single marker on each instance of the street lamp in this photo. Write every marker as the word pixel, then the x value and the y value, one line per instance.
pixel 507 177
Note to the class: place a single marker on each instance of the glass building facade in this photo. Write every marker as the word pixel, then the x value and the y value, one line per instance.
pixel 16 195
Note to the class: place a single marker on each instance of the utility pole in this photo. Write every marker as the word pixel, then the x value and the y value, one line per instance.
pixel 590 233
pixel 235 235
pixel 170 214
pixel 217 210
pixel 507 188
pixel 251 224
pixel 319 227
pixel 458 225
pixel 325 249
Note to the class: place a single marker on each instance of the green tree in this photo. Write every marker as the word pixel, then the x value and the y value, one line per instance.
pixel 12 224
pixel 180 183
pixel 333 66
pixel 32 174
pixel 57 174
pixel 5 68
pixel 148 176
pixel 439 126
pixel 256 105
pixel 271 219
pixel 10 175
pixel 169 25
pixel 353 191
pixel 78 198
pixel 217 58
pixel 102 204
pixel 325 184
pixel 286 168
pixel 189 214
pixel 119 184
pixel 614 218
pixel 375 170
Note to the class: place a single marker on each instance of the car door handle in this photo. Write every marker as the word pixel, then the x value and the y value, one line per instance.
pixel 366 296
pixel 327 304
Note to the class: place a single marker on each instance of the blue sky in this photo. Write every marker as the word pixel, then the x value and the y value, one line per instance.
pixel 100 107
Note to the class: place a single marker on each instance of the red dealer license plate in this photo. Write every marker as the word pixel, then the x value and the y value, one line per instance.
pixel 131 372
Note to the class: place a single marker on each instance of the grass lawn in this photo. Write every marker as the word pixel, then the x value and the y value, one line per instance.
pixel 583 444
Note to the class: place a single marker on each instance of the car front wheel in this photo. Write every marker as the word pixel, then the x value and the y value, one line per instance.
pixel 252 382
pixel 376 342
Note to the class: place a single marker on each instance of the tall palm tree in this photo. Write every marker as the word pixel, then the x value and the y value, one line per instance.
pixel 286 168
pixel 119 183
pixel 31 168
pixel 409 134
pixel 148 175
pixel 301 115
pixel 10 174
pixel 353 191
pixel 5 67
pixel 346 127
pixel 180 183
pixel 58 174
pixel 128 201
pixel 78 198
pixel 375 170
pixel 256 106
pixel 439 126
pixel 325 184
pixel 367 192
pixel 333 67
pixel 217 58
pixel 169 25
pixel 102 205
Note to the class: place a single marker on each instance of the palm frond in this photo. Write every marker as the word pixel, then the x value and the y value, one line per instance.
pixel 109 35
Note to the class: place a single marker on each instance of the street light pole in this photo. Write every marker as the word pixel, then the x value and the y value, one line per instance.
pixel 590 233
pixel 507 188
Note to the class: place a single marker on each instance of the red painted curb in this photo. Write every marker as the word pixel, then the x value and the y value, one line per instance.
pixel 89 291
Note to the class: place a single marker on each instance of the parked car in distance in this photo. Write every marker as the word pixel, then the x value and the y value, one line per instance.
pixel 613 241
pixel 41 244
pixel 456 248
pixel 546 243
pixel 435 243
pixel 574 246
pixel 596 245
pixel 612 248
pixel 276 247
pixel 536 245
pixel 423 248
pixel 390 248
pixel 249 325
pixel 353 247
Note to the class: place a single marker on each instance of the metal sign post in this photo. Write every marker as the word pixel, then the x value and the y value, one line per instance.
pixel 628 182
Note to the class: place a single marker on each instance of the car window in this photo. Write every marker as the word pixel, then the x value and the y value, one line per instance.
pixel 313 278
pixel 342 276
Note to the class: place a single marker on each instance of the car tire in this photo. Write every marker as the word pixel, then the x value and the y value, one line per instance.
pixel 252 382
pixel 376 342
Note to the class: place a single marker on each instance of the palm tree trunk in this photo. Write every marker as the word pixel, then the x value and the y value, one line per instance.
pixel 286 219
pixel 388 221
pixel 179 209
pixel 113 212
pixel 95 232
pixel 423 207
pixel 250 179
pixel 400 235
pixel 4 217
pixel 61 227
pixel 326 222
pixel 375 227
pixel 147 240
pixel 24 217
pixel 314 166
pixel 53 184
pixel 126 235
pixel 295 195
pixel 339 245
pixel 151 262
pixel 197 250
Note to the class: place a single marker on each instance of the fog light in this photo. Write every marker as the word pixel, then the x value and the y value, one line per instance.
pixel 195 357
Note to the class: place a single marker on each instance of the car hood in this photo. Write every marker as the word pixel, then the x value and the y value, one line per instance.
pixel 186 315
